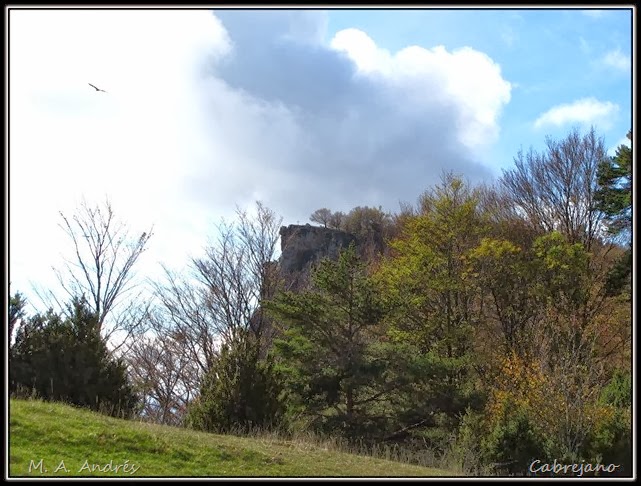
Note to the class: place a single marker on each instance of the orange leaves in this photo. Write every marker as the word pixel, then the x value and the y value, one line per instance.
pixel 521 384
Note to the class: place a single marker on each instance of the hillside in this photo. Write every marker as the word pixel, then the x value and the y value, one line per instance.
pixel 54 439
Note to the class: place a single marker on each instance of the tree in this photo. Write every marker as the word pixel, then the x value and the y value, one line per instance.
pixel 542 393
pixel 337 368
pixel 427 269
pixel 17 304
pixel 504 274
pixel 336 220
pixel 101 269
pixel 328 219
pixel 372 227
pixel 240 392
pixel 614 198
pixel 437 302
pixel 322 216
pixel 164 373
pixel 557 189
pixel 221 297
pixel 65 359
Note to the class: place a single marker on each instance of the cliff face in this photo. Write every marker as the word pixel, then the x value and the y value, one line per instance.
pixel 303 245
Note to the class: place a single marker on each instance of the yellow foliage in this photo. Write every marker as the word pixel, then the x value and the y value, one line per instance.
pixel 523 385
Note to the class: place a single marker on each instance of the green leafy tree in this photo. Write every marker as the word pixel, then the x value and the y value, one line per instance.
pixel 437 303
pixel 618 392
pixel 65 359
pixel 504 273
pixel 513 443
pixel 610 441
pixel 562 273
pixel 428 270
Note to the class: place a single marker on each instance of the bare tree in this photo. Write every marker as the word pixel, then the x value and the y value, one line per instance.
pixel 259 236
pixel 556 189
pixel 574 377
pixel 185 310
pixel 322 216
pixel 337 220
pixel 328 218
pixel 221 298
pixel 101 268
pixel 165 374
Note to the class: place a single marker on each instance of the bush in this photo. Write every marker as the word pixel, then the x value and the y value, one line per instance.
pixel 239 393
pixel 466 451
pixel 618 391
pixel 513 442
pixel 66 360
pixel 610 441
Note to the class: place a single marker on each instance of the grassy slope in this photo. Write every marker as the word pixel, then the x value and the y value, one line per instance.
pixel 65 437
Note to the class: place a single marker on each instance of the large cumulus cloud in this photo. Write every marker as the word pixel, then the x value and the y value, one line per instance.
pixel 209 110
pixel 306 124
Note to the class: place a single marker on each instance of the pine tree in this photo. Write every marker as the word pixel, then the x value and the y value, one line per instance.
pixel 340 371
pixel 614 198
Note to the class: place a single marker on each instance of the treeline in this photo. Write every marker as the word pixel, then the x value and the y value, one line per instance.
pixel 490 324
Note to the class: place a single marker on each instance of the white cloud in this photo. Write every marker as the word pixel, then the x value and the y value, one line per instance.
pixel 585 111
pixel 362 51
pixel 204 113
pixel 132 143
pixel 617 60
pixel 466 78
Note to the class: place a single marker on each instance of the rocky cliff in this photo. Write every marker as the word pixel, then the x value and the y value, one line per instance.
pixel 303 245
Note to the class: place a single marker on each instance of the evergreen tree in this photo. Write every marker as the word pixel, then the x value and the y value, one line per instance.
pixel 339 370
pixel 17 305
pixel 66 360
pixel 240 392
pixel 614 199
pixel 614 196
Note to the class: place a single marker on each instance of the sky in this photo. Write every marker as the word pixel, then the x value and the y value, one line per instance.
pixel 207 111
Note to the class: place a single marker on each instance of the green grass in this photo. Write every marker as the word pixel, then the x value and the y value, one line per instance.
pixel 72 441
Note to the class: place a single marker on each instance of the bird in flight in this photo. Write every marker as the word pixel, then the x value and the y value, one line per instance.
pixel 97 89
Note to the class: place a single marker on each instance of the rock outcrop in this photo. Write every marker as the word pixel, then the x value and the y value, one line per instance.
pixel 304 245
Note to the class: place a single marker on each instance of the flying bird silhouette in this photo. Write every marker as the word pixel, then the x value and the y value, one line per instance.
pixel 97 89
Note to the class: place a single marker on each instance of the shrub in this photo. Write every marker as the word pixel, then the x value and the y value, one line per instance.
pixel 67 360
pixel 239 393
pixel 610 441
pixel 513 442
